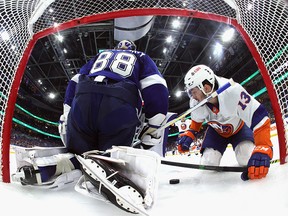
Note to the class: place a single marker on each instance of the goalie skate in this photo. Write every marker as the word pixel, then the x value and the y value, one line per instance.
pixel 112 185
pixel 29 160
pixel 27 176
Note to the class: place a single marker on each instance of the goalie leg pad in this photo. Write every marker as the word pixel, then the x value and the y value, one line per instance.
pixel 118 189
pixel 142 168
pixel 85 187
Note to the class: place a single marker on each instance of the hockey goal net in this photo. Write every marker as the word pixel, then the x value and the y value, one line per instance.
pixel 262 24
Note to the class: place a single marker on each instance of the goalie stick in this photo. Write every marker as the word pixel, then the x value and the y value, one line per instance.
pixel 213 95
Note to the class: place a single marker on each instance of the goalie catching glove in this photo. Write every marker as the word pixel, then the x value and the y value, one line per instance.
pixel 148 136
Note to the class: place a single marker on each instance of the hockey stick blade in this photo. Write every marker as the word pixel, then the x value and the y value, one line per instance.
pixel 213 95
pixel 205 167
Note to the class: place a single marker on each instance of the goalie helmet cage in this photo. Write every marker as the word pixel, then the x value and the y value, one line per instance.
pixel 262 24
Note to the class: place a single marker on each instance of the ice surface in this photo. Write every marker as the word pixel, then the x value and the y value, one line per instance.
pixel 198 193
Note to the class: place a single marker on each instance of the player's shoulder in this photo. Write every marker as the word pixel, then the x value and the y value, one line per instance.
pixel 221 80
pixel 135 52
pixel 138 53
pixel 236 88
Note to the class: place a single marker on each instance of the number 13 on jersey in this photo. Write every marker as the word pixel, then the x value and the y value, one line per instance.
pixel 245 99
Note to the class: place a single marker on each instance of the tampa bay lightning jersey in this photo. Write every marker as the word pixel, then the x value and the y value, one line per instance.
pixel 133 65
pixel 236 106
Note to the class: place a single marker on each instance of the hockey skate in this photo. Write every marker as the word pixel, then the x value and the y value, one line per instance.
pixel 27 175
pixel 111 184
pixel 31 161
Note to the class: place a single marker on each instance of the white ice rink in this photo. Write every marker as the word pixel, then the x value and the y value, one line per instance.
pixel 198 193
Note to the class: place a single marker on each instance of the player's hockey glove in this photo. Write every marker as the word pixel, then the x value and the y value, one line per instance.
pixel 185 140
pixel 259 162
pixel 148 136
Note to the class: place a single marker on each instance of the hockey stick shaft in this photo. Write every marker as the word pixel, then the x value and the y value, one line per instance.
pixel 213 95
pixel 209 167
pixel 205 167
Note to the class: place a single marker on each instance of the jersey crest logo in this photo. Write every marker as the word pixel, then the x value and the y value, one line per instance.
pixel 225 130
pixel 183 126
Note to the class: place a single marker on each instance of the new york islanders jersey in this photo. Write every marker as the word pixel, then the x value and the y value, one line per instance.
pixel 235 106
pixel 135 66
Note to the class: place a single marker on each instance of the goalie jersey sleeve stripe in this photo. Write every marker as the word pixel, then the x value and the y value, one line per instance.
pixel 151 80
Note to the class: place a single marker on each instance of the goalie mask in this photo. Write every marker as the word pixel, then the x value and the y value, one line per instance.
pixel 196 76
pixel 126 45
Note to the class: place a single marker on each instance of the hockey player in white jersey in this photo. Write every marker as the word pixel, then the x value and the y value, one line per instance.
pixel 234 116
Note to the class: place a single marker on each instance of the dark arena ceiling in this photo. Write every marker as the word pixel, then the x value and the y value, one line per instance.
pixel 54 62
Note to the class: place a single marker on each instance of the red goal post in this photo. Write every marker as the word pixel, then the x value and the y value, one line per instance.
pixel 262 24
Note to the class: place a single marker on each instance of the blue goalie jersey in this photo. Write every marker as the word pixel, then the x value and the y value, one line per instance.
pixel 131 65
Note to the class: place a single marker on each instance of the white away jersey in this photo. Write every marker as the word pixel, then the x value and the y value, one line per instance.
pixel 235 106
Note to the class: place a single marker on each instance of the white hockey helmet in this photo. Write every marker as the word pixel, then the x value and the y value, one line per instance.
pixel 126 45
pixel 196 76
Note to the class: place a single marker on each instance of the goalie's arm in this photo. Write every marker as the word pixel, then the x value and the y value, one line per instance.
pixel 155 94
pixel 153 89
pixel 69 95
